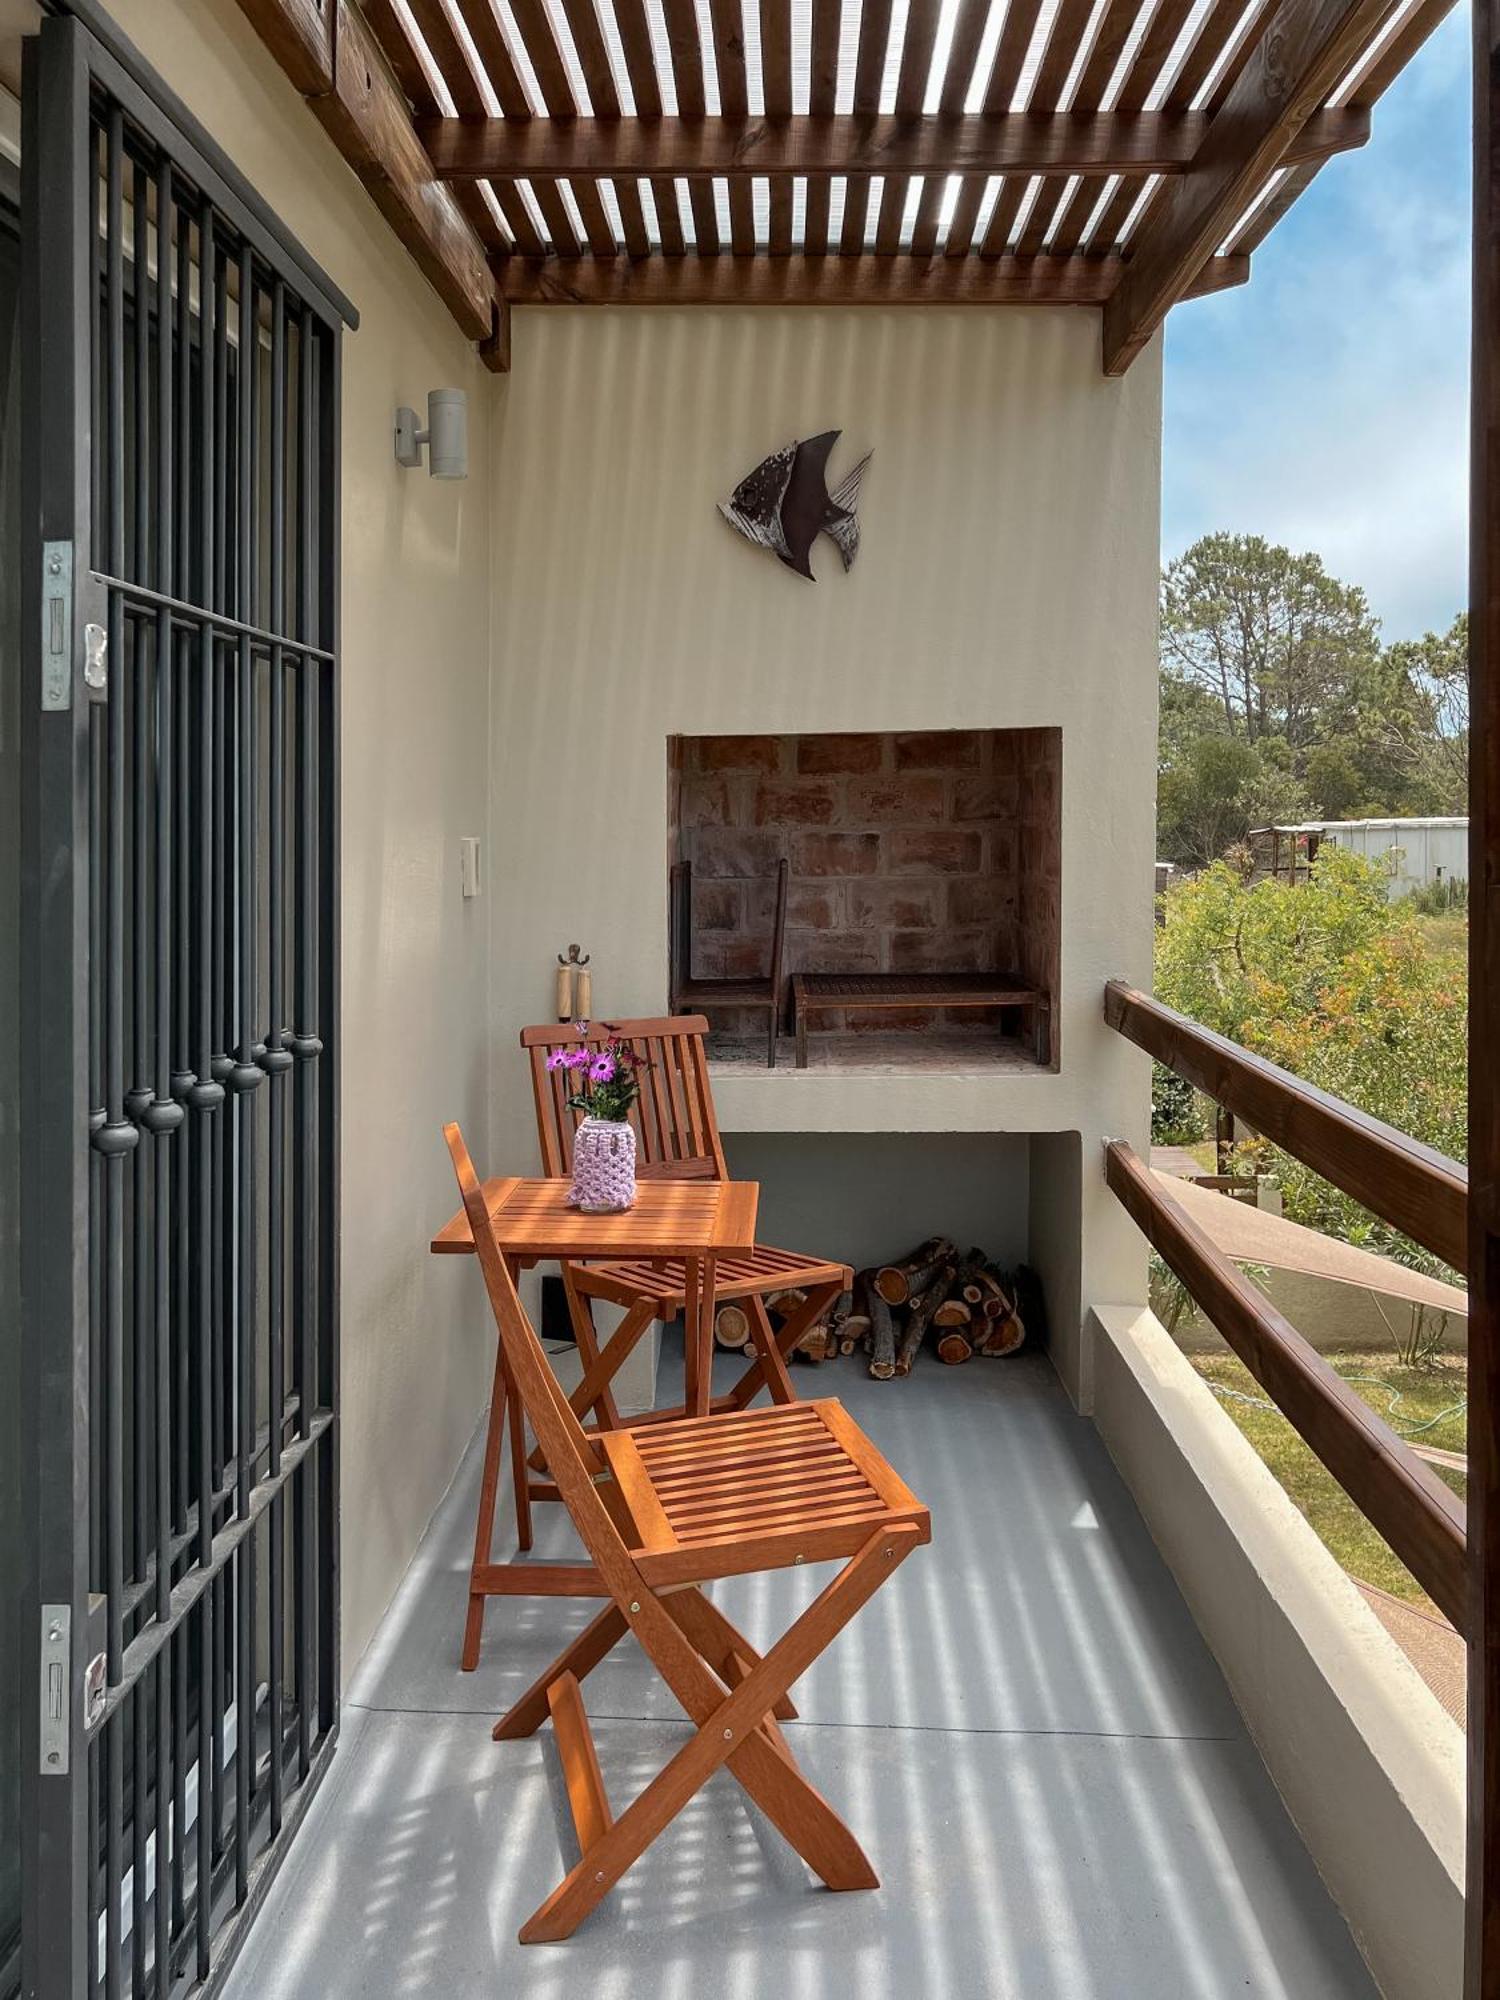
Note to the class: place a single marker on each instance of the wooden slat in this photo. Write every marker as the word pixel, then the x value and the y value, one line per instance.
pixel 963 50
pixel 869 68
pixel 668 219
pixel 1215 32
pixel 1400 49
pixel 640 61
pixel 1157 44
pixel 911 88
pixel 593 57
pixel 535 29
pixel 592 1817
pixel 1114 32
pixel 1289 75
pixel 995 246
pixel 836 280
pixel 1010 53
pixel 392 33
pixel 1068 25
pixel 1138 142
pixel 822 100
pixel 961 223
pixel 447 52
pixel 299 33
pixel 1403 1499
pixel 479 18
pixel 1035 236
pixel 681 18
pixel 1414 1188
pixel 776 56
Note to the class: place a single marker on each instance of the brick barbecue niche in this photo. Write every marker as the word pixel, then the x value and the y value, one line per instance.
pixel 929 851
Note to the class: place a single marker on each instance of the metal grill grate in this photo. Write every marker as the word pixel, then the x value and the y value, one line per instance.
pixel 187 1115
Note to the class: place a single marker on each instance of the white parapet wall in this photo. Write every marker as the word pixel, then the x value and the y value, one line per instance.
pixel 1370 1765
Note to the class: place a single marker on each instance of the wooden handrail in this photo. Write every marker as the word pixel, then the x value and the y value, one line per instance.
pixel 1403 1499
pixel 1411 1186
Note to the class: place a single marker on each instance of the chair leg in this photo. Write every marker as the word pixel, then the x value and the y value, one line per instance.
pixel 608 1363
pixel 729 1732
pixel 705 1626
pixel 755 1377
pixel 597 1639
pixel 581 1313
pixel 520 1479
pixel 767 1346
pixel 484 1527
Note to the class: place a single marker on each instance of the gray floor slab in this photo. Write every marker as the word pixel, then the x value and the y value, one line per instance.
pixel 1041 1603
pixel 1023 1727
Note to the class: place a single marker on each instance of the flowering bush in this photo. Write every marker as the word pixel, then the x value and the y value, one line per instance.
pixel 608 1077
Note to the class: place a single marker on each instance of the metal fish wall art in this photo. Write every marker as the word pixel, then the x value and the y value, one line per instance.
pixel 786 503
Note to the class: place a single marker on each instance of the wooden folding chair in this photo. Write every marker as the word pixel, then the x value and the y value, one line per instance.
pixel 746 995
pixel 660 1512
pixel 677 1138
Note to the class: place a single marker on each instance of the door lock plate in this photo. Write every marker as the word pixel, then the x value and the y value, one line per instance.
pixel 56 1662
pixel 57 625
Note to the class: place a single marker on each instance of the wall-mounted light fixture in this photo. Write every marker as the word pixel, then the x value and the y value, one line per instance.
pixel 446 436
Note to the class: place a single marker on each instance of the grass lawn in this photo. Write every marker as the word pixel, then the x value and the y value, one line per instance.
pixel 1420 1394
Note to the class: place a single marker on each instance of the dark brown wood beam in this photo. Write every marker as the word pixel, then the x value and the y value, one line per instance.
pixel 330 52
pixel 1137 142
pixel 1412 1186
pixel 1402 1498
pixel 831 281
pixel 299 33
pixel 1302 55
pixel 1482 1941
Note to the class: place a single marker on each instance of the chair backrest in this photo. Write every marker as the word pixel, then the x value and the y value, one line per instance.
pixel 674 1115
pixel 564 1444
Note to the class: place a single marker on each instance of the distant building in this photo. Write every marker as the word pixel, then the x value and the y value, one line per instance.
pixel 1418 852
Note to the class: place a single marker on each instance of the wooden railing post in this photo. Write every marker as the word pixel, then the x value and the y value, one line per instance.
pixel 1482 1956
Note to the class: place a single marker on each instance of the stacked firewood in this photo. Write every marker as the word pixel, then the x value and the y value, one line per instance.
pixel 963 1304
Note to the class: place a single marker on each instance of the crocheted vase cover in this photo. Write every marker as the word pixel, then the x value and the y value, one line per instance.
pixel 603 1166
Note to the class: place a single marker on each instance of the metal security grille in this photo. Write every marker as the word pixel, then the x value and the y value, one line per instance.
pixel 179 1015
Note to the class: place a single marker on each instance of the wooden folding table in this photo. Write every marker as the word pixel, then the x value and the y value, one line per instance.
pixel 533 1223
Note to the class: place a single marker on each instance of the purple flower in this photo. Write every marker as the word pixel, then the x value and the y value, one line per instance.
pixel 557 1058
pixel 602 1069
pixel 576 1059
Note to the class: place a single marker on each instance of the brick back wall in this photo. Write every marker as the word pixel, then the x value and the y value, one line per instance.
pixel 905 853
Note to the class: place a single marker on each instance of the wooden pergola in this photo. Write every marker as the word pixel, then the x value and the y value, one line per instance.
pixel 1121 154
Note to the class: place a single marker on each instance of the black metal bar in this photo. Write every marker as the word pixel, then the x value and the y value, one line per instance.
pixel 330 462
pixel 206 1092
pixel 114 1841
pixel 245 1075
pixel 161 113
pixel 138 597
pixel 305 1046
pixel 277 1060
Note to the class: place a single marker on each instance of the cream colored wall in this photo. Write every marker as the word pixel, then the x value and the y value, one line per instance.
pixel 416 610
pixel 1007 577
pixel 1369 1764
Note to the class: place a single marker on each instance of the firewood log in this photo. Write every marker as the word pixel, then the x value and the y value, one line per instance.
pixel 954 1345
pixel 1005 1336
pixel 732 1326
pixel 953 1312
pixel 899 1284
pixel 784 1304
pixel 882 1338
pixel 919 1318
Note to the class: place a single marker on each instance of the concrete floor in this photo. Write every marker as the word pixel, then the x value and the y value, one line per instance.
pixel 1023 1727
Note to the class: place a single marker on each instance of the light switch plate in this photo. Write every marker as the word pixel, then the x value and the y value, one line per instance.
pixel 468 849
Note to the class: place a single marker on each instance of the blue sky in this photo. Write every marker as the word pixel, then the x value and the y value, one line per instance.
pixel 1325 404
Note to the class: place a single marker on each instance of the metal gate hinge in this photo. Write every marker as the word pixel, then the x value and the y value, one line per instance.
pixel 55 1693
pixel 57 625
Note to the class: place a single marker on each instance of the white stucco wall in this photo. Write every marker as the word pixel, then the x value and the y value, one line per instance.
pixel 1007 577
pixel 416 609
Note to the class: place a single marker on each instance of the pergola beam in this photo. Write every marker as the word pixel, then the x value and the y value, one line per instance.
pixel 330 53
pixel 1096 143
pixel 832 280
pixel 1302 56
